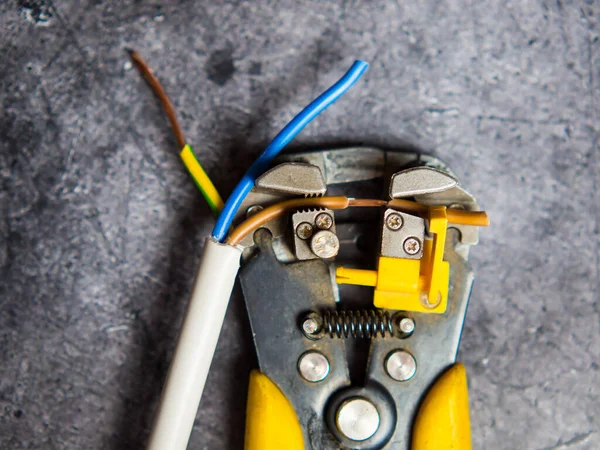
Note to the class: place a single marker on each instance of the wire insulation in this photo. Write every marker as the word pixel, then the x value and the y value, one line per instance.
pixel 195 348
pixel 204 183
pixel 207 188
pixel 474 218
pixel 288 133
pixel 159 91
pixel 455 216
pixel 260 218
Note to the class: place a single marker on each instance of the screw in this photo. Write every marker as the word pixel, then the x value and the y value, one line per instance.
pixel 412 246
pixel 400 365
pixel 394 221
pixel 304 230
pixel 357 419
pixel 313 366
pixel 253 210
pixel 407 325
pixel 310 326
pixel 325 244
pixel 324 221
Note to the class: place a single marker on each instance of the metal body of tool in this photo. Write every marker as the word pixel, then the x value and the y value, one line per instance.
pixel 357 315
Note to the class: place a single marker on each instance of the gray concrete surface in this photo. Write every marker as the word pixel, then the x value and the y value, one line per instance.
pixel 101 229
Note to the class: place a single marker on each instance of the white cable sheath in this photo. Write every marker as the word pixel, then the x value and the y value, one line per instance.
pixel 195 347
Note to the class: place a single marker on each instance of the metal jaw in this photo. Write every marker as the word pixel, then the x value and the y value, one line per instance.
pixel 402 235
pixel 298 333
pixel 314 234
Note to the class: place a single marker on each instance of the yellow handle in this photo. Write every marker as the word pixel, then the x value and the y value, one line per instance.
pixel 271 422
pixel 443 419
pixel 441 424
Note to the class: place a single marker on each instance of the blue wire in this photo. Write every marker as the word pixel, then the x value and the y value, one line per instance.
pixel 288 133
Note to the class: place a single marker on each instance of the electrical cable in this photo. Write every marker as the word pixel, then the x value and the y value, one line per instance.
pixel 195 348
pixel 206 186
pixel 288 133
pixel 159 91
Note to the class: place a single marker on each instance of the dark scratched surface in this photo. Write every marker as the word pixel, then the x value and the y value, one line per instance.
pixel 101 229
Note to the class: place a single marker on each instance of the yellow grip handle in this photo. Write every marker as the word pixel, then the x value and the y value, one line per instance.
pixel 271 422
pixel 443 419
pixel 441 424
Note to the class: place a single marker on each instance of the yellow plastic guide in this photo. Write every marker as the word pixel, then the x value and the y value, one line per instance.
pixel 207 188
pixel 443 420
pixel 271 423
pixel 410 284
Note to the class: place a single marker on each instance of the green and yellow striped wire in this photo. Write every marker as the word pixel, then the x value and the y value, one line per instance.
pixel 206 186
pixel 202 180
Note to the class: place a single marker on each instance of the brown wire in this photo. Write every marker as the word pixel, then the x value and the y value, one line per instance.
pixel 367 202
pixel 274 211
pixel 160 93
pixel 455 216
pixel 408 206
pixel 475 218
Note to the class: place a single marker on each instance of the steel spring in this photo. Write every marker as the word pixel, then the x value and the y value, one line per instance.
pixel 358 324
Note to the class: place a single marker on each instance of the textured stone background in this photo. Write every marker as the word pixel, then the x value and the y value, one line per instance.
pixel 101 229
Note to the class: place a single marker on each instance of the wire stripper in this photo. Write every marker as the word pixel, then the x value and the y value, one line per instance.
pixel 318 281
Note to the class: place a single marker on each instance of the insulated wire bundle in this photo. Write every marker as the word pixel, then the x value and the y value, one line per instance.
pixel 289 132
